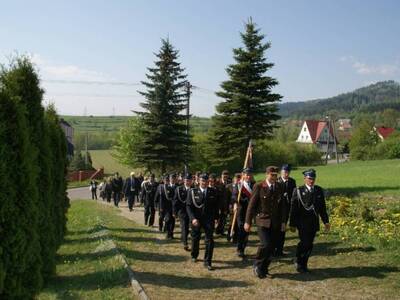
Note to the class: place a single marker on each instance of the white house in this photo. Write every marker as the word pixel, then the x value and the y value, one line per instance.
pixel 316 132
pixel 69 134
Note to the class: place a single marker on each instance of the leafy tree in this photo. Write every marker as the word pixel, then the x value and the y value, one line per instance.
pixel 363 142
pixel 249 108
pixel 128 142
pixel 165 143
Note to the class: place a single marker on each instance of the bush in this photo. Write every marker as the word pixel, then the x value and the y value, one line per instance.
pixel 20 263
pixel 33 201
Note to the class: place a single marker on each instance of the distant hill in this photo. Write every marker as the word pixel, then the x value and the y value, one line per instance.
pixel 370 99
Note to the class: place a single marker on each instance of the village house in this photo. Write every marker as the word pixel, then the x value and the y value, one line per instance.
pixel 316 132
pixel 344 124
pixel 69 134
pixel 384 132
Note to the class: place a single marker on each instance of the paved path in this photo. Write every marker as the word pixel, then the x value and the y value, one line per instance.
pixel 83 193
pixel 79 193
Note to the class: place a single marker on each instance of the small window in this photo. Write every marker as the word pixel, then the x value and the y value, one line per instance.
pixel 305 129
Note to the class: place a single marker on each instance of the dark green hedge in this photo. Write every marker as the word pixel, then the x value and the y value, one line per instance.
pixel 33 202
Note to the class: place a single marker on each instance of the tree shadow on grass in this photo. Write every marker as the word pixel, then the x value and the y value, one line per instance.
pixel 319 274
pixel 130 254
pixel 187 283
pixel 331 249
pixel 64 284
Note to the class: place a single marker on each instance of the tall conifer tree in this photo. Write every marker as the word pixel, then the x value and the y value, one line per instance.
pixel 249 108
pixel 164 143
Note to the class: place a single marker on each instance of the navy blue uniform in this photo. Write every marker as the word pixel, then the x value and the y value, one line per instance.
pixel 307 207
pixel 179 209
pixel 204 208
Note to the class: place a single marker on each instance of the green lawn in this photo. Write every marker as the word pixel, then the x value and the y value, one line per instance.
pixel 103 158
pixel 87 266
pixel 357 178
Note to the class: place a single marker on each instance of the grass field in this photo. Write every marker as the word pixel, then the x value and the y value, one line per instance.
pixel 357 178
pixel 103 158
pixel 112 124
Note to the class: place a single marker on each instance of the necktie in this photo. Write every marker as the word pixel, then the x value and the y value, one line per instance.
pixel 271 188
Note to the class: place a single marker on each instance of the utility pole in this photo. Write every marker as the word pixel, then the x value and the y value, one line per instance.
pixel 188 87
pixel 86 148
pixel 334 140
pixel 329 135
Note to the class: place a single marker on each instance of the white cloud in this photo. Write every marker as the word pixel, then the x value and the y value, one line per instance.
pixel 370 69
pixel 57 71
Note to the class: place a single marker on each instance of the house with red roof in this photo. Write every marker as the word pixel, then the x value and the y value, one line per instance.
pixel 317 132
pixel 384 132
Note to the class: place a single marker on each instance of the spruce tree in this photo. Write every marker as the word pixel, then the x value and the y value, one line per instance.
pixel 249 108
pixel 165 143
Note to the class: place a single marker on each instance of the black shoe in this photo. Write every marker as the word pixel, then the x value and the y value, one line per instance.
pixel 186 248
pixel 209 267
pixel 130 209
pixel 258 273
pixel 240 254
pixel 194 260
pixel 299 268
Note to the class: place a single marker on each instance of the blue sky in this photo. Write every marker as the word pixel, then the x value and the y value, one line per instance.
pixel 320 48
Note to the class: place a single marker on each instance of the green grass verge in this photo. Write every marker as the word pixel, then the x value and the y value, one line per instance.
pixel 87 267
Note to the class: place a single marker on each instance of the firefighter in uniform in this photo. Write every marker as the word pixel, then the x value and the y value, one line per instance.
pixel 307 206
pixel 246 188
pixel 202 208
pixel 289 184
pixel 148 192
pixel 223 190
pixel 269 206
pixel 179 208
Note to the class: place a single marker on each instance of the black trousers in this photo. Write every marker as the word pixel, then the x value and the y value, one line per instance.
pixel 169 223
pixel 305 246
pixel 221 223
pixel 149 213
pixel 108 196
pixel 242 236
pixel 131 200
pixel 265 250
pixel 280 242
pixel 117 198
pixel 208 227
pixel 184 223
pixel 161 216
pixel 94 194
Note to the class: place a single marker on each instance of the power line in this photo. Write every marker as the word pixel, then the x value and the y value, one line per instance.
pixel 88 82
pixel 120 83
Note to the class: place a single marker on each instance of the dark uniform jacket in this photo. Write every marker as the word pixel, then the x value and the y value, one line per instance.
pixel 288 188
pixel 244 198
pixel 117 184
pixel 224 196
pixel 149 192
pixel 179 201
pixel 268 207
pixel 131 186
pixel 306 209
pixel 164 197
pixel 204 208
